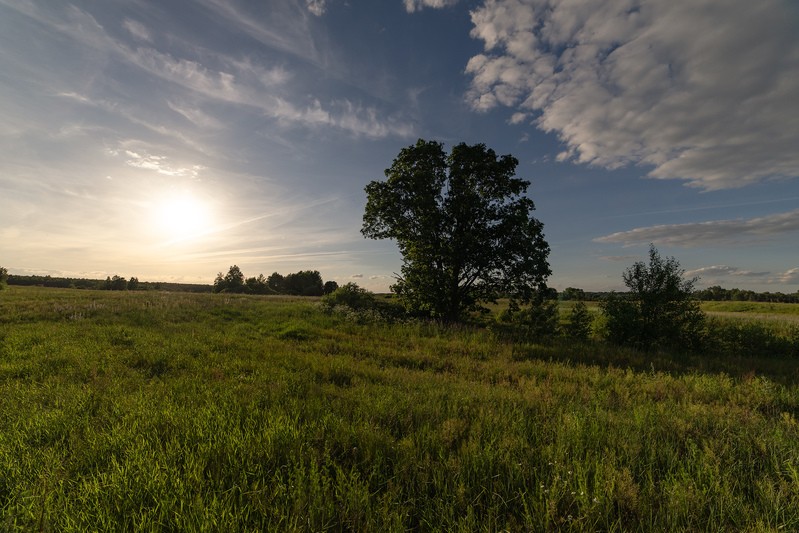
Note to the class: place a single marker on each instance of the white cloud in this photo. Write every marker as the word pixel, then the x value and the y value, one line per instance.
pixel 159 164
pixel 702 91
pixel 417 5
pixel 709 233
pixel 518 118
pixel 317 7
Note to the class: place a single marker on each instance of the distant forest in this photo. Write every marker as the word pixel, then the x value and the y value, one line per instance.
pixel 115 283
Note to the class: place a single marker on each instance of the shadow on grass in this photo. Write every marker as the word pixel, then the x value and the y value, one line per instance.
pixel 780 370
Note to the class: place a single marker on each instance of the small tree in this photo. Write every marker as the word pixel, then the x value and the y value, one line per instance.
pixel 660 309
pixel 219 282
pixel 133 283
pixel 118 283
pixel 579 326
pixel 330 286
pixel 276 283
pixel 3 277
pixel 233 281
pixel 256 285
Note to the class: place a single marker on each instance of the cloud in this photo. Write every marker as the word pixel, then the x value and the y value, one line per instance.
pixel 617 258
pixel 280 24
pixel 709 233
pixel 417 5
pixel 357 276
pixel 724 270
pixel 157 163
pixel 317 7
pixel 790 276
pixel 137 29
pixel 701 91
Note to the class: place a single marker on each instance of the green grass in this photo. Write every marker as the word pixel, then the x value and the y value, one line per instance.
pixel 179 412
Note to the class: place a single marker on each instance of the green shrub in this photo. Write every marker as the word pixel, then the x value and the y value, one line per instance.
pixel 579 325
pixel 350 295
pixel 540 320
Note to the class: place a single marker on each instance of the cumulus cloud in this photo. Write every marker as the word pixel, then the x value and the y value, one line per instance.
pixel 709 233
pixel 417 5
pixel 701 91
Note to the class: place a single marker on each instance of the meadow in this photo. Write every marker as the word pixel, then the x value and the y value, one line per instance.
pixel 151 411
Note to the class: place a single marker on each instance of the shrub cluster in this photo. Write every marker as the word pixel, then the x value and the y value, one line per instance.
pixel 357 304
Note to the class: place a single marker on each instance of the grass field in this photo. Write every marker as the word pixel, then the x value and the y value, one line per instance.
pixel 154 411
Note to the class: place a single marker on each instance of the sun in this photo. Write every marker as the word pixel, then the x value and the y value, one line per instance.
pixel 182 216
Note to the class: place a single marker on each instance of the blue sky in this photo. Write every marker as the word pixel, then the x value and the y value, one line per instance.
pixel 170 140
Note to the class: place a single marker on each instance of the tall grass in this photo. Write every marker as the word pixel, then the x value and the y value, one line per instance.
pixel 149 411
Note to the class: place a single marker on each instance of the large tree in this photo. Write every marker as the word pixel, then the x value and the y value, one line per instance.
pixel 464 228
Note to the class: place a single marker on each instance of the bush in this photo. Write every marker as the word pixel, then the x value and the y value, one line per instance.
pixel 3 277
pixel 350 295
pixel 538 321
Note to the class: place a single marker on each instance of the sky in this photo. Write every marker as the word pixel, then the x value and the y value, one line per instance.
pixel 171 140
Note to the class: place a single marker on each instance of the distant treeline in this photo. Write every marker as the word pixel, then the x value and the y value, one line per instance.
pixel 309 283
pixel 719 294
pixel 712 294
pixel 302 283
pixel 117 283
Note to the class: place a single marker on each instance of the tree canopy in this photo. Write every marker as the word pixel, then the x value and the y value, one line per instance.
pixel 464 228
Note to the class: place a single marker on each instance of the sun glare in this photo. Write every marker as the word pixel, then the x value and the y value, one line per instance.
pixel 182 216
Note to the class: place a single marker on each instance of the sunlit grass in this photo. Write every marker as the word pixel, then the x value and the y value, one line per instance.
pixel 155 411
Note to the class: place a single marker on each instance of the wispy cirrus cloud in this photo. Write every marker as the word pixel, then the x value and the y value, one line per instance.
pixel 709 233
pixel 724 270
pixel 632 82
pixel 242 82
pixel 137 29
